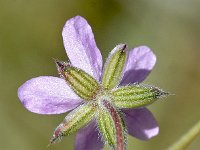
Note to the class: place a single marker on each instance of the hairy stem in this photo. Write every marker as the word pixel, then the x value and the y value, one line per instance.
pixel 118 125
pixel 187 139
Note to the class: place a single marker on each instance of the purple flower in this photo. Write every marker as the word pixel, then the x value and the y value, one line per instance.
pixel 93 95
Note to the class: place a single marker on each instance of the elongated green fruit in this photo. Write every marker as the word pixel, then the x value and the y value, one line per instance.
pixel 136 96
pixel 82 83
pixel 112 126
pixel 75 120
pixel 114 67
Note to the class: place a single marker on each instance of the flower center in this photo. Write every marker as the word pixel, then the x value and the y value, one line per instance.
pixel 102 95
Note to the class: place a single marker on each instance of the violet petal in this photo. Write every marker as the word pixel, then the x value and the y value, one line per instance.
pixel 141 123
pixel 80 46
pixel 140 62
pixel 48 95
pixel 87 138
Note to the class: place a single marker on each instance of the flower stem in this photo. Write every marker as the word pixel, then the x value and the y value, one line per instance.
pixel 186 139
pixel 120 139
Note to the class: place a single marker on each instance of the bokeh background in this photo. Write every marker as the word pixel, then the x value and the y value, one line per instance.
pixel 30 36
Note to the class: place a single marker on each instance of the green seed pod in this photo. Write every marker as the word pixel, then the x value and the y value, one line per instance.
pixel 75 120
pixel 111 125
pixel 114 66
pixel 84 85
pixel 136 96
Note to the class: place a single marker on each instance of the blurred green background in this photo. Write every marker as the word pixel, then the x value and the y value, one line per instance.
pixel 30 36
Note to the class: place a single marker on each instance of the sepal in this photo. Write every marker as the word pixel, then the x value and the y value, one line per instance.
pixel 75 120
pixel 113 67
pixel 84 85
pixel 134 96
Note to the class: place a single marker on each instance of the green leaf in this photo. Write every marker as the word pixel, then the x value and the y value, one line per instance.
pixel 114 66
pixel 135 96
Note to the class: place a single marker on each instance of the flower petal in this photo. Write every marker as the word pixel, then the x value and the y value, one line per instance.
pixel 81 47
pixel 140 62
pixel 88 138
pixel 48 95
pixel 141 123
